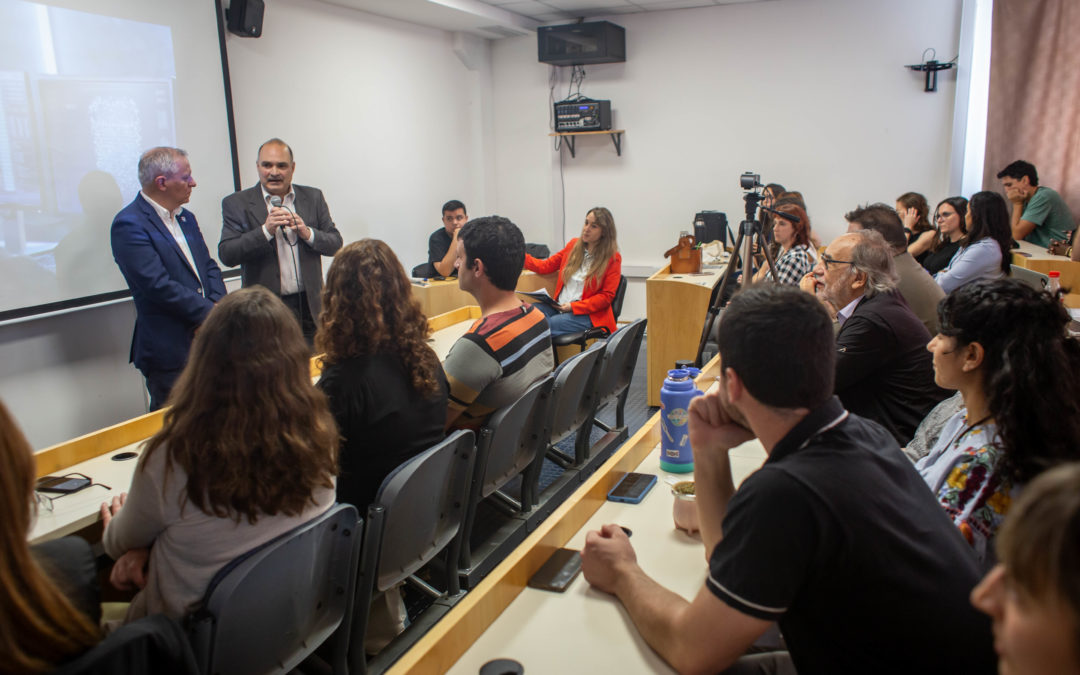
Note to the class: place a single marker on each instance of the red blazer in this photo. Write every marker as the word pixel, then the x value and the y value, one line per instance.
pixel 595 298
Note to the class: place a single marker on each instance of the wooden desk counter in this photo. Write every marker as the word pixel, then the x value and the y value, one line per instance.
pixel 676 306
pixel 580 629
pixel 441 296
pixel 1039 259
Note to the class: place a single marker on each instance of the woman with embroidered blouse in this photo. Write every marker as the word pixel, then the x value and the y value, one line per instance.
pixel 590 268
pixel 1003 345
pixel 795 258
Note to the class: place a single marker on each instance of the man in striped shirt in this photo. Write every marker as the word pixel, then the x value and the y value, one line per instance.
pixel 509 346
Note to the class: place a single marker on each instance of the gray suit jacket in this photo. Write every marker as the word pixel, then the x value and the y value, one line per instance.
pixel 244 243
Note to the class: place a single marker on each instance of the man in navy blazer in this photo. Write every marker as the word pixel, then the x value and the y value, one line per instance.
pixel 278 232
pixel 173 280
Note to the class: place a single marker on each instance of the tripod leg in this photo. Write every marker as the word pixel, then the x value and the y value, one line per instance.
pixel 714 310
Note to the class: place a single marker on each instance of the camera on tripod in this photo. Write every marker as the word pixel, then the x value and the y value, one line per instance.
pixel 749 181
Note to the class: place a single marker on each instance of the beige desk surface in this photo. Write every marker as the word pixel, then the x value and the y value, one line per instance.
pixel 73 512
pixel 1039 259
pixel 584 631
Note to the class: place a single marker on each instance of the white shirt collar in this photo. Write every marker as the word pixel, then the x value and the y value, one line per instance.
pixel 289 198
pixel 166 216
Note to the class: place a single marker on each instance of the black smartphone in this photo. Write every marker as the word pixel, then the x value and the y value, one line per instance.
pixel 560 569
pixel 62 484
pixel 632 488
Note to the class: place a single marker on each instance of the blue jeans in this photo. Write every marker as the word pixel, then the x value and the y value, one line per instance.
pixel 562 323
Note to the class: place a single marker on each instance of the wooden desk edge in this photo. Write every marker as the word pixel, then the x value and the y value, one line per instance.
pixel 97 443
pixel 452 636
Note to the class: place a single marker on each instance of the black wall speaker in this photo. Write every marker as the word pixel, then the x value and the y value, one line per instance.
pixel 245 17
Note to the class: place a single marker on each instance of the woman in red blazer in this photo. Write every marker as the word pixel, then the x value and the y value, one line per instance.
pixel 589 271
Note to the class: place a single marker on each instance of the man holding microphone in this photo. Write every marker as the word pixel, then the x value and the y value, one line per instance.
pixel 278 232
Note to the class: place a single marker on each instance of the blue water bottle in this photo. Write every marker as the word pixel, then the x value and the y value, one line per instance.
pixel 675 453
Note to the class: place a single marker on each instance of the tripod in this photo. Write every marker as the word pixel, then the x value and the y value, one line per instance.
pixel 749 229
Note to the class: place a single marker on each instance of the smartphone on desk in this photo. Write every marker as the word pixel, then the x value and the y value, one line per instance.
pixel 632 488
pixel 62 484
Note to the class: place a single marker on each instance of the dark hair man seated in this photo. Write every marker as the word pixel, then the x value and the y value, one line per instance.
pixel 1039 214
pixel 883 371
pixel 509 347
pixel 836 537
pixel 442 244
pixel 919 289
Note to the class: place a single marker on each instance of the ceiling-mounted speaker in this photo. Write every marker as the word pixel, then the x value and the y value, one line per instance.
pixel 245 17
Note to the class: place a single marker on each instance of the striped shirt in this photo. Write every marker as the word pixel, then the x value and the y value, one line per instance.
pixel 493 364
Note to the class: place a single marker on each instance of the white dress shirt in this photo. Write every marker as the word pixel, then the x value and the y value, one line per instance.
pixel 285 240
pixel 170 218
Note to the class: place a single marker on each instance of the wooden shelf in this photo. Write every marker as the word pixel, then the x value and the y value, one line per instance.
pixel 616 138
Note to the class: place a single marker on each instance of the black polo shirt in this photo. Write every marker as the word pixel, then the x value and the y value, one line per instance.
pixel 839 539
pixel 437 246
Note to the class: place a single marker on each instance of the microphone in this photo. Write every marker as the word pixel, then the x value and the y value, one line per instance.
pixel 275 202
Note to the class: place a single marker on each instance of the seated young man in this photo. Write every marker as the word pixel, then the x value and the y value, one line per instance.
pixel 509 346
pixel 836 537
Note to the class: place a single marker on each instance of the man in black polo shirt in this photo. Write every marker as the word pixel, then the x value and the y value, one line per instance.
pixel 442 244
pixel 836 537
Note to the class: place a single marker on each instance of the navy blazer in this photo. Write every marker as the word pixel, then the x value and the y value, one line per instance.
pixel 168 303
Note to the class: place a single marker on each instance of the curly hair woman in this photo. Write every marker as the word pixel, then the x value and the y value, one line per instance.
pixel 247 452
pixel 589 271
pixel 386 387
pixel 40 626
pixel 1003 344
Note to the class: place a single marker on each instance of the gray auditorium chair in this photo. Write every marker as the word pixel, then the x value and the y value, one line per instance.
pixel 569 413
pixel 416 515
pixel 153 644
pixel 574 404
pixel 613 386
pixel 507 445
pixel 581 338
pixel 267 610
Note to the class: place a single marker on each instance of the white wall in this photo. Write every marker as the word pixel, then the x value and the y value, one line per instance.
pixel 808 93
pixel 382 116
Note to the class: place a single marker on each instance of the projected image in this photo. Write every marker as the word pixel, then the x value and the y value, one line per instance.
pixel 81 96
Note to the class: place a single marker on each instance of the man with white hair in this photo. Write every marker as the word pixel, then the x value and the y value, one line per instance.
pixel 174 282
pixel 883 371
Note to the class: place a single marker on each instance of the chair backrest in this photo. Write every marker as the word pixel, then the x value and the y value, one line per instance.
pixel 270 608
pixel 620 293
pixel 1036 280
pixel 424 271
pixel 422 503
pixel 513 437
pixel 620 357
pixel 418 512
pixel 573 392
pixel 153 644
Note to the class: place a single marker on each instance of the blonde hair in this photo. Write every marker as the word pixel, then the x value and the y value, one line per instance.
pixel 602 252
pixel 39 627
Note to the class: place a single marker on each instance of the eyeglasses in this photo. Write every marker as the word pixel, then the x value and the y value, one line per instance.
pixel 826 260
pixel 45 502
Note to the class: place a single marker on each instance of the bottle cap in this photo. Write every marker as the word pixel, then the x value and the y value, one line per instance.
pixel 678 374
pixel 1054 274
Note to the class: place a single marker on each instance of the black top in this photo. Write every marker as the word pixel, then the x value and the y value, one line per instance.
pixel 838 539
pixel 437 246
pixel 382 421
pixel 883 371
pixel 70 563
pixel 935 261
